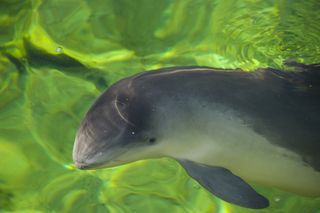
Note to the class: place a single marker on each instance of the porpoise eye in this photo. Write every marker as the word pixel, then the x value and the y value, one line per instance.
pixel 152 140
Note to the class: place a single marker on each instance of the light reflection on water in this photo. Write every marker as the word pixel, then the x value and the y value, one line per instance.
pixel 57 56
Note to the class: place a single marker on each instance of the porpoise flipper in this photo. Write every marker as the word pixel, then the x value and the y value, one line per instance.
pixel 225 185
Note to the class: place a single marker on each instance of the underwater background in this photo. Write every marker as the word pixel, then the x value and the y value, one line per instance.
pixel 57 56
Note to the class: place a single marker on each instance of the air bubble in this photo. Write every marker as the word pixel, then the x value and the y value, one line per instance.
pixel 277 199
pixel 59 49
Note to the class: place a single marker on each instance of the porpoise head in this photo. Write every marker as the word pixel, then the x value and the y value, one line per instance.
pixel 114 131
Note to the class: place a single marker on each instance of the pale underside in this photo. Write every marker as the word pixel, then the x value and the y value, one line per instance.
pixel 220 138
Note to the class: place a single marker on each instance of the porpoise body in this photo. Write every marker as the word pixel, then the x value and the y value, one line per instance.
pixel 219 124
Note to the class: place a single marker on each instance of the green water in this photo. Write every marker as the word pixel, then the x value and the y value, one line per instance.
pixel 57 56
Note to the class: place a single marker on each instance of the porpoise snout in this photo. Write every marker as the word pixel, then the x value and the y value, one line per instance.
pixel 83 151
pixel 84 161
pixel 89 154
pixel 81 165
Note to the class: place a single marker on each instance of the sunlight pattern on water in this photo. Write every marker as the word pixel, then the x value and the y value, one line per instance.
pixel 57 56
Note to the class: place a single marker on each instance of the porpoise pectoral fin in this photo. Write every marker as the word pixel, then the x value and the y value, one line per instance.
pixel 225 185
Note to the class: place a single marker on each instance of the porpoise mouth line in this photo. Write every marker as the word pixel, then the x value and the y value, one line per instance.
pixel 93 166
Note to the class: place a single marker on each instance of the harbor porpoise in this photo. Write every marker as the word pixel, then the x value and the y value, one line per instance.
pixel 224 126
